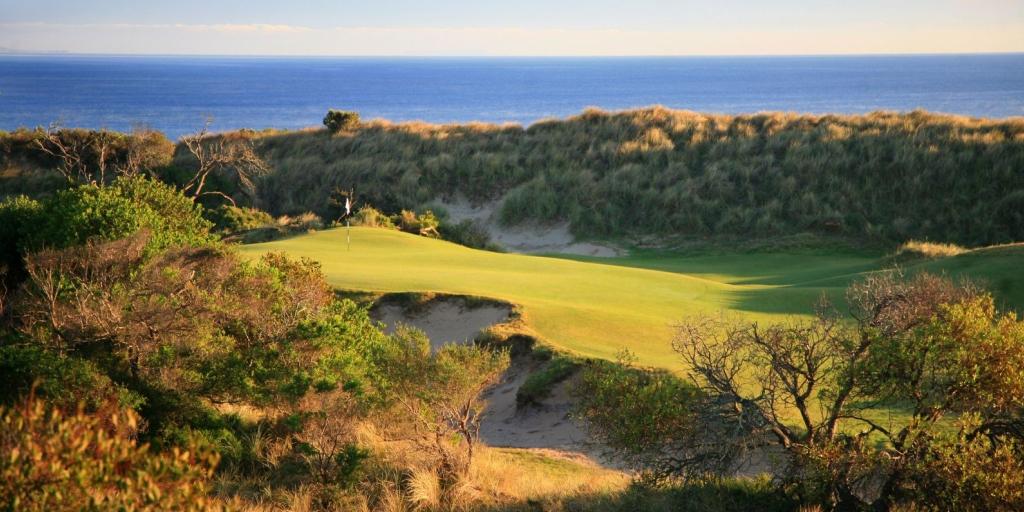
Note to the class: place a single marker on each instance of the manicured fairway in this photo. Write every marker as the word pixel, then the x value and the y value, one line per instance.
pixel 594 308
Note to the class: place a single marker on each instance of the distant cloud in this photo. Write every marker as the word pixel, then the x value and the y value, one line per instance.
pixel 249 27
pixel 276 39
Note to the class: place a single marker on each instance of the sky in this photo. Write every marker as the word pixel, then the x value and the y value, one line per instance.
pixel 509 28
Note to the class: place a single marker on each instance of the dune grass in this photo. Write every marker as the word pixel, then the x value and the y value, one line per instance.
pixel 596 308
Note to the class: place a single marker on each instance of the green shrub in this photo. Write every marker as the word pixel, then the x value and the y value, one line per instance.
pixel 339 120
pixel 234 219
pixel 539 384
pixel 467 233
pixel 424 224
pixel 126 207
pixel 66 381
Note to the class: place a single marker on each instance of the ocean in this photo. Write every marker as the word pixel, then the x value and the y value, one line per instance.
pixel 176 94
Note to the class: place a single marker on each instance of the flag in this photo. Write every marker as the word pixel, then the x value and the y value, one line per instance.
pixel 348 207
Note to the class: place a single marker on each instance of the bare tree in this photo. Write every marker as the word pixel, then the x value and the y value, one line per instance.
pixel 228 155
pixel 145 149
pixel 94 156
pixel 70 153
pixel 789 386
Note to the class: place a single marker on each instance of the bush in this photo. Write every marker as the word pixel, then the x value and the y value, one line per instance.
pixel 79 461
pixel 539 384
pixel 373 218
pixel 424 224
pixel 129 205
pixel 468 233
pixel 233 219
pixel 638 414
pixel 339 120
pixel 63 380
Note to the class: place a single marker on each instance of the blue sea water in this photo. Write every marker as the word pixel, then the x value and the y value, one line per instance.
pixel 176 94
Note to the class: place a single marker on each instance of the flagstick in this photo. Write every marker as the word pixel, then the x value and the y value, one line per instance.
pixel 348 234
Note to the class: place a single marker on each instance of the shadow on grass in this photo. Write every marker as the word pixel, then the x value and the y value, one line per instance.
pixel 738 494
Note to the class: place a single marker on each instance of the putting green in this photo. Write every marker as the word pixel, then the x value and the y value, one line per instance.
pixel 599 307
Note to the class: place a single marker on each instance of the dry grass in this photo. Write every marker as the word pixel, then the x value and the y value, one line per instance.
pixel 507 475
pixel 915 250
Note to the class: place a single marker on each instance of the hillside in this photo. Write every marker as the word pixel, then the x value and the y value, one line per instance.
pixel 597 308
pixel 655 171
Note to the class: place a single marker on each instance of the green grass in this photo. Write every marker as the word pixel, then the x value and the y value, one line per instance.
pixel 596 308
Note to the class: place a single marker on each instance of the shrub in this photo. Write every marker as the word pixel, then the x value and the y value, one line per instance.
pixel 63 380
pixel 233 219
pixel 300 223
pixel 425 224
pixel 57 461
pixel 373 218
pixel 934 347
pixel 468 233
pixel 639 415
pixel 340 120
pixel 126 207
pixel 539 384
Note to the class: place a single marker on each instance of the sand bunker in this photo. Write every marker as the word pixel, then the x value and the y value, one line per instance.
pixel 544 426
pixel 443 321
pixel 547 425
pixel 553 239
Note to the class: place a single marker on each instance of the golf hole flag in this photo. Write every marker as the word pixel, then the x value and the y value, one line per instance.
pixel 348 207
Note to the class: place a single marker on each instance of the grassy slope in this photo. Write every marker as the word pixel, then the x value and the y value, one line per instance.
pixel 597 309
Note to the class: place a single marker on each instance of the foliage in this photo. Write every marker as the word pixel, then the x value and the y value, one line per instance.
pixel 643 417
pixel 966 471
pixel 424 224
pixel 726 494
pixel 372 218
pixel 196 321
pixel 19 217
pixel 87 156
pixel 660 171
pixel 234 219
pixel 61 380
pixel 126 207
pixel 439 393
pixel 56 461
pixel 938 346
pixel 913 250
pixel 341 120
pixel 539 384
pixel 468 233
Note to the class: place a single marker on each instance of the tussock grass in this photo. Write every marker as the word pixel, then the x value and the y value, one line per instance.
pixel 884 175
pixel 915 249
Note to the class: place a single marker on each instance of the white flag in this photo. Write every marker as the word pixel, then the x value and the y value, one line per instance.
pixel 348 207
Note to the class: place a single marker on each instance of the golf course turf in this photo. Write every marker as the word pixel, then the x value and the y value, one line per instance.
pixel 597 308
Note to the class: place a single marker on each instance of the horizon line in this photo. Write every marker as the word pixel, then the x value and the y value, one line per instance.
pixel 9 52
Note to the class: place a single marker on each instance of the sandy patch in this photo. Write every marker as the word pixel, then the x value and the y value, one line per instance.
pixel 545 426
pixel 551 239
pixel 443 321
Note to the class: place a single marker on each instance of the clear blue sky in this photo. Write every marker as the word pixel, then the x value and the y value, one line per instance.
pixel 524 27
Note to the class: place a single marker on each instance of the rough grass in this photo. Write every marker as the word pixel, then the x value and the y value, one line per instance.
pixel 664 172
pixel 915 250
pixel 595 308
